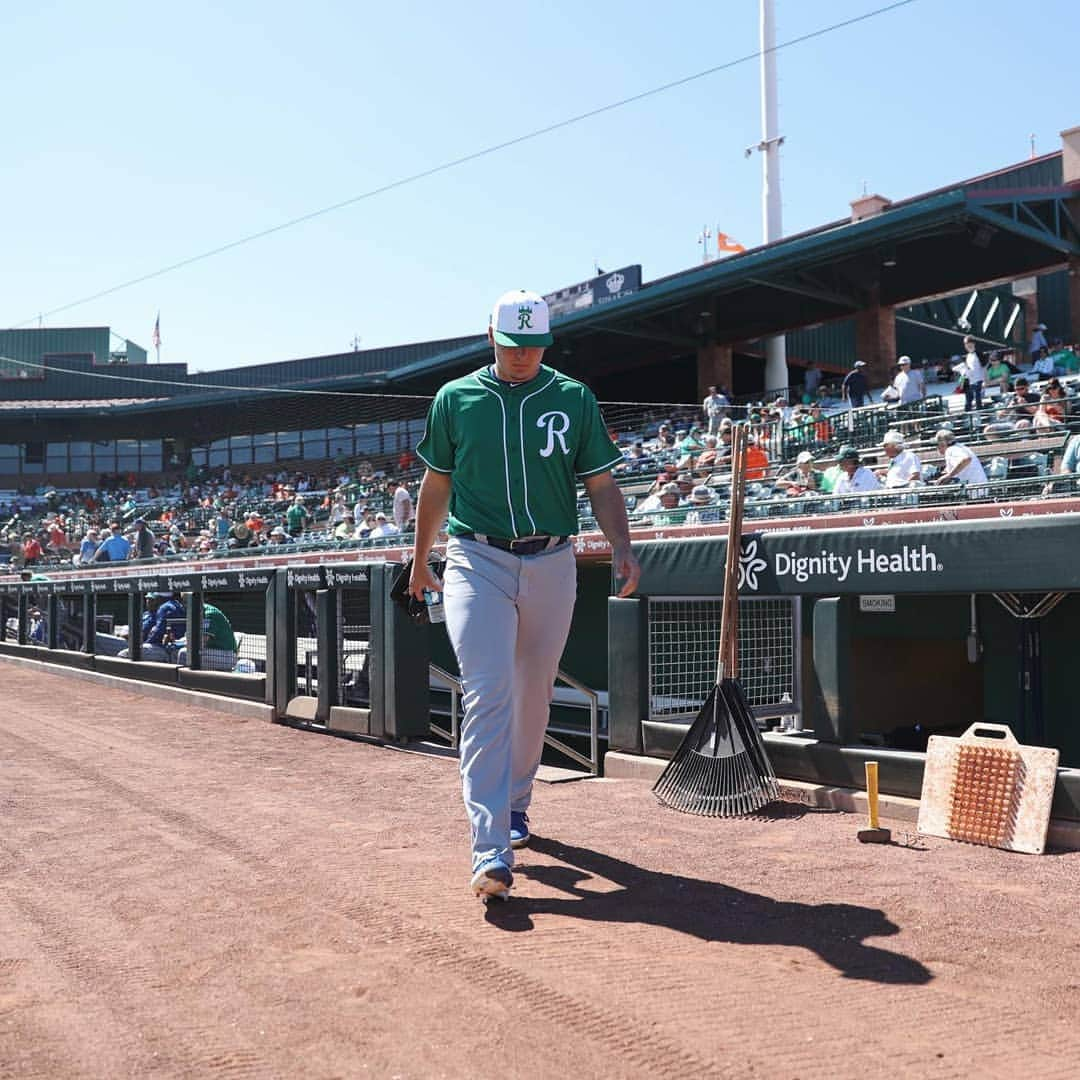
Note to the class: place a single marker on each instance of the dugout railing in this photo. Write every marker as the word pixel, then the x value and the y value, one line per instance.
pixel 324 645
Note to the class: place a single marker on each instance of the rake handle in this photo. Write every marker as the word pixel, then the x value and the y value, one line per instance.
pixel 727 663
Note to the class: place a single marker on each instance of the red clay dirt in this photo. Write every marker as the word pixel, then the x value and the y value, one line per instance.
pixel 188 894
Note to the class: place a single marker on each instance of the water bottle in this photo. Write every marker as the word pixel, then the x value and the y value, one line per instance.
pixel 433 599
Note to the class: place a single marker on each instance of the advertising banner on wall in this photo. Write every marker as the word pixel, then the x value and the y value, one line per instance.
pixel 1008 555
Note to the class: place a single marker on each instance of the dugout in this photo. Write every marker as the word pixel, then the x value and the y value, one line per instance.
pixel 345 658
pixel 81 622
pixel 895 633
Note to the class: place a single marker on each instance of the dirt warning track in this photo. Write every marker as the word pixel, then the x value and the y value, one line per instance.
pixel 187 894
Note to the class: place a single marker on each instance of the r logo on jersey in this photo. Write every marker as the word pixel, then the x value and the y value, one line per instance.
pixel 557 424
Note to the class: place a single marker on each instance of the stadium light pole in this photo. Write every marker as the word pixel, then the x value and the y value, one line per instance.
pixel 776 371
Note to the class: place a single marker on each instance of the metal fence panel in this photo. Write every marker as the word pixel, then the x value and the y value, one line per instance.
pixel 354 642
pixel 684 637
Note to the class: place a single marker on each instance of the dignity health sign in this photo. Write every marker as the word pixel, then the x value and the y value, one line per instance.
pixel 1014 554
pixel 839 567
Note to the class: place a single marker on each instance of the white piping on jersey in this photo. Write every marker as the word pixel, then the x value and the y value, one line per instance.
pixel 506 456
pixel 433 468
pixel 521 432
pixel 603 468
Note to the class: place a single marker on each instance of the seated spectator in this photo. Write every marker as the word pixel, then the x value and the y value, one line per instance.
pixel 904 468
pixel 218 643
pixel 723 445
pixel 998 372
pixel 31 550
pixel 58 541
pixel 665 440
pixel 854 476
pixel 757 461
pixel 667 498
pixel 801 479
pixel 1070 459
pixel 278 535
pixel 383 527
pixel 1055 393
pixel 702 498
pixel 1066 359
pixel 823 429
pixel 1048 415
pixel 1042 364
pixel 685 482
pixel 344 530
pixel 961 464
pixel 707 459
pixel 1022 403
pixel 338 510
pixel 240 536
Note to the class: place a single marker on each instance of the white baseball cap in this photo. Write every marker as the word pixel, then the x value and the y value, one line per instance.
pixel 804 457
pixel 904 360
pixel 521 318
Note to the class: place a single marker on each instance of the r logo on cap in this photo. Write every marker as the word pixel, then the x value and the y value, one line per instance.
pixel 520 319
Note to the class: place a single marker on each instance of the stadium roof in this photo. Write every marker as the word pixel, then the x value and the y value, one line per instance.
pixel 1000 226
pixel 997 227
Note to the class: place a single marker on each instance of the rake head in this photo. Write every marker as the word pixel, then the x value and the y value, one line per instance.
pixel 720 768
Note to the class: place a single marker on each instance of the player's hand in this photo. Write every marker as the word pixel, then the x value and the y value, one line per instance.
pixel 627 569
pixel 422 578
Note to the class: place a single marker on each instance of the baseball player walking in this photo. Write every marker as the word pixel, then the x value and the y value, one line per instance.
pixel 504 448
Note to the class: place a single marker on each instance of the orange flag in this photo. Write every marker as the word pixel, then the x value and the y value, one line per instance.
pixel 725 243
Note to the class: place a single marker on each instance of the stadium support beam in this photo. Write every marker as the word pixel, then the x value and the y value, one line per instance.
pixel 1074 298
pixel 875 339
pixel 714 368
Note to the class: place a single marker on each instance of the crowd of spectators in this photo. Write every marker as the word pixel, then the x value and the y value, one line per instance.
pixel 205 512
pixel 686 461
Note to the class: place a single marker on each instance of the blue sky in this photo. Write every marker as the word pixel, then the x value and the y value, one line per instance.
pixel 138 136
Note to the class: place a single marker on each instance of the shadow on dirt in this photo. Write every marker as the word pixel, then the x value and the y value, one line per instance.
pixel 706 910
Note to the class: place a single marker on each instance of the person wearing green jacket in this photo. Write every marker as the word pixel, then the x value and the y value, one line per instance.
pixel 219 642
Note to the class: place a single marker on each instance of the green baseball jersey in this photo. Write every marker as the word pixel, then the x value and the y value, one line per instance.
pixel 218 630
pixel 515 453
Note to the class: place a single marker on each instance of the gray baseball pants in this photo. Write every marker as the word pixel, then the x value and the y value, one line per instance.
pixel 508 619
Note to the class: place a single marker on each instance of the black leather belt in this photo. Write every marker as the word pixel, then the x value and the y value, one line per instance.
pixel 530 545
